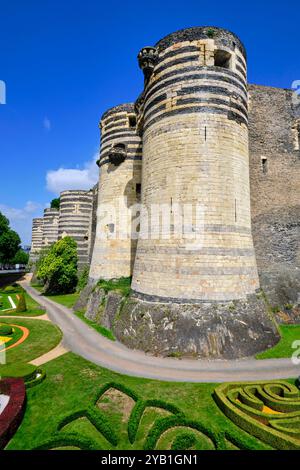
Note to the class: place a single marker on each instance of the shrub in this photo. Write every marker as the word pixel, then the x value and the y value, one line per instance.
pixel 29 373
pixel 123 285
pixel 68 440
pixel 58 267
pixel 138 410
pixel 163 424
pixel 122 388
pixel 5 330
pixel 184 442
pixel 12 414
pixel 21 307
pixel 18 370
pixel 252 420
pixel 101 422
pixel 83 279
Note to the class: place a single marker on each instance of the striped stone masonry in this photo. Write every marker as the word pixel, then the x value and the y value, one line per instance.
pixel 37 237
pixel 195 151
pixel 119 188
pixel 75 214
pixel 50 227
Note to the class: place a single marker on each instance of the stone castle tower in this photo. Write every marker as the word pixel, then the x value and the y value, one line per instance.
pixel 195 151
pixel 37 238
pixel 50 226
pixel 75 214
pixel 119 188
pixel 75 218
pixel 194 291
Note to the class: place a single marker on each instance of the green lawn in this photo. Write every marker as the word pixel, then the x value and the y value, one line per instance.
pixel 68 300
pixel 72 384
pixel 33 308
pixel 5 303
pixel 289 334
pixel 43 336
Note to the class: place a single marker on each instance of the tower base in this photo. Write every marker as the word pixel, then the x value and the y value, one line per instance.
pixel 205 330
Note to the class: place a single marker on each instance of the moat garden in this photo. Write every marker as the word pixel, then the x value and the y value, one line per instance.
pixel 74 404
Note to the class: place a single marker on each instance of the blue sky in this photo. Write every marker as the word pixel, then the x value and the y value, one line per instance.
pixel 65 62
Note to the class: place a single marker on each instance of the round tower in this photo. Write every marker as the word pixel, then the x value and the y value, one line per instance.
pixel 36 237
pixel 76 207
pixel 119 189
pixel 50 226
pixel 195 154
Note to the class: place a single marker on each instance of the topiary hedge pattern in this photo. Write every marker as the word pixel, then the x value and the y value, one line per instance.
pixel 269 411
pixel 12 414
pixel 184 441
pixel 32 375
pixel 5 330
pixel 98 418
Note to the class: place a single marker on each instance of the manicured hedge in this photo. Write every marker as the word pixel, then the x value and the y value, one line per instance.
pixel 39 377
pixel 70 418
pixel 6 330
pixel 118 386
pixel 251 419
pixel 163 424
pixel 12 415
pixel 102 423
pixel 18 370
pixel 68 440
pixel 138 410
pixel 97 418
pixel 184 441
pixel 31 374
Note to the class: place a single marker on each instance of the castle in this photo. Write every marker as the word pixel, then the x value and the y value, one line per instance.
pixel 198 136
pixel 75 218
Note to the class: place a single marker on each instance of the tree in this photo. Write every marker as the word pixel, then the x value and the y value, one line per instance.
pixel 21 257
pixel 4 224
pixel 55 203
pixel 9 241
pixel 58 267
pixel 9 245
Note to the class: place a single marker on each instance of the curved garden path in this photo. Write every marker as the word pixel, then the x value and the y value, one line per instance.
pixel 86 342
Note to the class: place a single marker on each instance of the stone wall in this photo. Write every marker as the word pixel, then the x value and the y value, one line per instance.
pixel 275 189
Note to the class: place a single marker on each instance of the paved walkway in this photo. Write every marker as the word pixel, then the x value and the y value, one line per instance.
pixel 53 354
pixel 86 342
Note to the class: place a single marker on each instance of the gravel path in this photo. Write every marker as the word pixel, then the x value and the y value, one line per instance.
pixel 86 342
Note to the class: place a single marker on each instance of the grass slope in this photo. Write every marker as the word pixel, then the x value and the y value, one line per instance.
pixel 68 300
pixel 289 334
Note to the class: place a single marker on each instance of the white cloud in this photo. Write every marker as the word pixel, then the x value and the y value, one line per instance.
pixel 47 123
pixel 21 218
pixel 73 178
